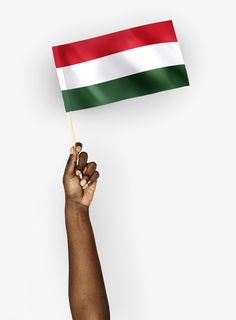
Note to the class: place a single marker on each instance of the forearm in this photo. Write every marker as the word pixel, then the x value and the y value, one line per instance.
pixel 87 292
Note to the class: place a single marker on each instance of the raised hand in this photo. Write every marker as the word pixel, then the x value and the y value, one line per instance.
pixel 80 177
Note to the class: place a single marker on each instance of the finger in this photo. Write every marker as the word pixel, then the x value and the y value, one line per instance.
pixel 91 181
pixel 90 169
pixel 78 147
pixel 71 163
pixel 94 177
pixel 82 161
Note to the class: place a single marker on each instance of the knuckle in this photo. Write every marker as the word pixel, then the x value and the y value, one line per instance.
pixel 84 154
pixel 96 173
pixel 92 164
pixel 78 144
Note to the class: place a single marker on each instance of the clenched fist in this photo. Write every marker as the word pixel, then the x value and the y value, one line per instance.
pixel 80 177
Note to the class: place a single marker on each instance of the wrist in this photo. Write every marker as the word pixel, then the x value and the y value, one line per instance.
pixel 76 219
pixel 74 205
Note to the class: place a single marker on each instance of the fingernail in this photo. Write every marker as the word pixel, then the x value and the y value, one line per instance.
pixel 85 169
pixel 78 172
pixel 83 182
pixel 72 150
pixel 87 184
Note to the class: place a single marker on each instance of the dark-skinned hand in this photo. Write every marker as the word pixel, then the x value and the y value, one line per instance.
pixel 80 177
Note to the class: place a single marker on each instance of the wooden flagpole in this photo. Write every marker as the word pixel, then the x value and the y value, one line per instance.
pixel 72 131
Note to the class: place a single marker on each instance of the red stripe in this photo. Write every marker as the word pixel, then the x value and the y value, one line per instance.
pixel 93 48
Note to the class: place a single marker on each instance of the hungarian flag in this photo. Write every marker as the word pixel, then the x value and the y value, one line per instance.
pixel 120 65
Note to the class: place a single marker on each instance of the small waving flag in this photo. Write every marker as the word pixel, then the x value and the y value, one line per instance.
pixel 120 65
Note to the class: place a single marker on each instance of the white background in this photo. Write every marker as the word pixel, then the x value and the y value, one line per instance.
pixel 163 214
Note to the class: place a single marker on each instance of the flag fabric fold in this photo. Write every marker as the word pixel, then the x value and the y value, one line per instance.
pixel 120 65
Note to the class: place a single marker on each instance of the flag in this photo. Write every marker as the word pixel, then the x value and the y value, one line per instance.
pixel 120 65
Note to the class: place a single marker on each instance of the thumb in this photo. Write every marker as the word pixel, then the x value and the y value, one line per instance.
pixel 71 163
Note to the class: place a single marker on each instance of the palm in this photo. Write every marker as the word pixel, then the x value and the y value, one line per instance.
pixel 75 191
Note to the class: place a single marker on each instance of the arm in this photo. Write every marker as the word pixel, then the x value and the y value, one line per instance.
pixel 87 294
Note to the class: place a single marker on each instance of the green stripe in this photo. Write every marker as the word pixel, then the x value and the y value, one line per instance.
pixel 138 84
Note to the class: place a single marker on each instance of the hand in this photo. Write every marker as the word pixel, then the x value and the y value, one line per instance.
pixel 80 177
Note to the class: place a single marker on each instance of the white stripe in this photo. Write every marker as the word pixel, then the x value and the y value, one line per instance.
pixel 119 65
